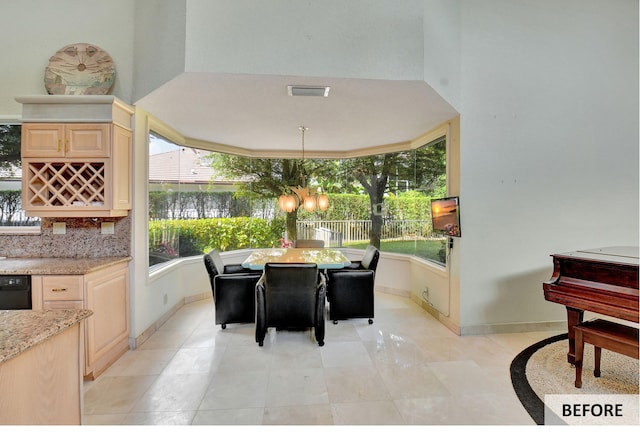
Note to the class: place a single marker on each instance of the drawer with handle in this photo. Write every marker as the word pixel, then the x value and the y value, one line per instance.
pixel 62 288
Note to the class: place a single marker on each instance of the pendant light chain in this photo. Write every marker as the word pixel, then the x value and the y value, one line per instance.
pixel 304 175
pixel 301 196
pixel 303 128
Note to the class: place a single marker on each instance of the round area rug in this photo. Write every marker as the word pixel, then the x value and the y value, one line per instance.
pixel 543 369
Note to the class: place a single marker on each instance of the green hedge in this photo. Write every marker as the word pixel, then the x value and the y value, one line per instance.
pixel 170 238
pixel 410 205
pixel 341 207
pixel 195 237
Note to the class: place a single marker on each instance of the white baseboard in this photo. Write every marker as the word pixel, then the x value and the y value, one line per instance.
pixel 503 328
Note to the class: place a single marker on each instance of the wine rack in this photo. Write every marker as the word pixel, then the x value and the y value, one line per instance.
pixel 65 184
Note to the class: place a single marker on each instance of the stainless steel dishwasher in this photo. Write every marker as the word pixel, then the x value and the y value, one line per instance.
pixel 15 292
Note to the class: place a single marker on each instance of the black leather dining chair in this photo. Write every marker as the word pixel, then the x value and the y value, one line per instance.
pixel 369 260
pixel 290 296
pixel 233 290
pixel 350 290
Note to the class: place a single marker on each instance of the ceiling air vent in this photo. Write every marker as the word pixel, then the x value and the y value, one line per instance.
pixel 308 90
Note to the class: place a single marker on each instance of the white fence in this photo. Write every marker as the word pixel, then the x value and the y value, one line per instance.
pixel 336 232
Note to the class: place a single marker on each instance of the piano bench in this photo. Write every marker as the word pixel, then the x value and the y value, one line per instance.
pixel 603 334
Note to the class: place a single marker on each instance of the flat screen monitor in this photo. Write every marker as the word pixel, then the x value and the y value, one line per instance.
pixel 445 216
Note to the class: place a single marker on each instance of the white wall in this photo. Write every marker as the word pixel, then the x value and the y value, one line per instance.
pixel 549 146
pixel 442 48
pixel 33 30
pixel 336 38
pixel 160 33
pixel 175 283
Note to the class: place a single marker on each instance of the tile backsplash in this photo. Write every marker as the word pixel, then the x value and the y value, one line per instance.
pixel 83 238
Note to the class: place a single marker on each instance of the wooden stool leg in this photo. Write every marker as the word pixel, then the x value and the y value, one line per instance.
pixel 598 352
pixel 579 350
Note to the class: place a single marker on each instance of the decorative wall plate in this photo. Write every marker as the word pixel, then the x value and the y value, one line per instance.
pixel 80 69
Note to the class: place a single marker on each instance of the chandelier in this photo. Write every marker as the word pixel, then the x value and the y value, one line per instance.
pixel 301 195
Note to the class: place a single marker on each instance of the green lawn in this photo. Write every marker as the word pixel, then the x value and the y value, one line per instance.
pixel 426 249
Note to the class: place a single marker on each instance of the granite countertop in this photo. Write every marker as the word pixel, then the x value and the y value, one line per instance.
pixel 23 329
pixel 56 265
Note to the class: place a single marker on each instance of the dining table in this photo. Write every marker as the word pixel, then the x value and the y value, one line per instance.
pixel 325 258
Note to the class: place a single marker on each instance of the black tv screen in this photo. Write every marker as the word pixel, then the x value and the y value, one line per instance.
pixel 445 216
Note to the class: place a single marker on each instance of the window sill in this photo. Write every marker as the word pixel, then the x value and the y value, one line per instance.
pixel 20 230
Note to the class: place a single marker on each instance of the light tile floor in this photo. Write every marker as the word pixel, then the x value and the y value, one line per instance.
pixel 404 369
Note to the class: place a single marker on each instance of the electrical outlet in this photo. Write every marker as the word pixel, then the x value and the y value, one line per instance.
pixel 59 228
pixel 107 228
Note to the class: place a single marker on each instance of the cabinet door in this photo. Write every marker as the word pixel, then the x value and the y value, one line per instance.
pixel 87 140
pixel 73 140
pixel 107 329
pixel 44 140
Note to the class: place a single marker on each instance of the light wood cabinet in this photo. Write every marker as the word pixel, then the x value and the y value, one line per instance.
pixel 74 140
pixel 106 293
pixel 76 169
pixel 88 174
pixel 62 292
pixel 43 384
pixel 107 330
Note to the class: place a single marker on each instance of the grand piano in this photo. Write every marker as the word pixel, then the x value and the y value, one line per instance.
pixel 601 280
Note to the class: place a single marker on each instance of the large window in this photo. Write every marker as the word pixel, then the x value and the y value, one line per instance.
pixel 11 213
pixel 200 200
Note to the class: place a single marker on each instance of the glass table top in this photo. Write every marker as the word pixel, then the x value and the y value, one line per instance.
pixel 325 258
